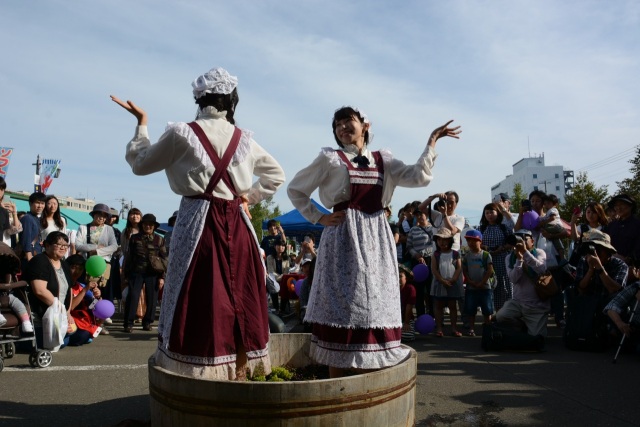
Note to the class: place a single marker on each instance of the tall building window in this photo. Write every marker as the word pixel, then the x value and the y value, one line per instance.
pixel 535 175
pixel 557 176
pixel 535 188
pixel 557 188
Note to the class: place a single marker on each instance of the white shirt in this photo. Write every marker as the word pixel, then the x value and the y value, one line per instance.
pixel 188 167
pixel 456 220
pixel 328 173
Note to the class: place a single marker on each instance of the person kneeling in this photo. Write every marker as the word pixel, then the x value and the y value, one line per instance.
pixel 524 264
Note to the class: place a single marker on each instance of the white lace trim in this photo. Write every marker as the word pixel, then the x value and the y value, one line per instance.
pixel 347 356
pixel 330 153
pixel 186 233
pixel 244 147
pixel 211 112
pixel 386 155
pixel 184 130
pixel 225 371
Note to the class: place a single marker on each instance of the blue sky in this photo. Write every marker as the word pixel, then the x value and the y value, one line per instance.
pixel 559 78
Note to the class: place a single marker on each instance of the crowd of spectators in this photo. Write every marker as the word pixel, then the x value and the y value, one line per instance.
pixel 597 254
pixel 52 262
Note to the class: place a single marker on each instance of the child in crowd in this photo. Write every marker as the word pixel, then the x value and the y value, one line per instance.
pixel 551 222
pixel 87 326
pixel 477 267
pixel 18 308
pixel 447 288
pixel 9 266
pixel 407 302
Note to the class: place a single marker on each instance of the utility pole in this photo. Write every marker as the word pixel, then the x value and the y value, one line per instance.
pixel 37 164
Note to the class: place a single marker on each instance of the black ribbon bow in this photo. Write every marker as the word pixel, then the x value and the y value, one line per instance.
pixel 361 160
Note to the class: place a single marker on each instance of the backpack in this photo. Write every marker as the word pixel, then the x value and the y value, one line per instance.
pixel 493 280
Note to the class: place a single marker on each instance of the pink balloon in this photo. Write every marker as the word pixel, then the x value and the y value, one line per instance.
pixel 104 309
pixel 298 286
pixel 530 220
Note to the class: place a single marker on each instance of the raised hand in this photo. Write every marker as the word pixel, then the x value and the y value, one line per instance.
pixel 443 131
pixel 132 108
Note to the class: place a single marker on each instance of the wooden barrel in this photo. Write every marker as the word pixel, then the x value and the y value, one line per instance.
pixel 381 398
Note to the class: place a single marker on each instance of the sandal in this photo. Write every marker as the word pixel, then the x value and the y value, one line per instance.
pixel 439 334
pixel 456 334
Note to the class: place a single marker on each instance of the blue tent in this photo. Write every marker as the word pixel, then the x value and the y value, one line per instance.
pixel 295 225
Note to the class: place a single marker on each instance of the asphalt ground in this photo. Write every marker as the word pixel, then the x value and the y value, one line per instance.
pixel 105 383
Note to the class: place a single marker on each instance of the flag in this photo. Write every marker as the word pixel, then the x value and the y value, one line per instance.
pixel 5 154
pixel 48 170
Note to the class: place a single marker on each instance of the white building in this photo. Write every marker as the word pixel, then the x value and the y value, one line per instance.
pixel 532 174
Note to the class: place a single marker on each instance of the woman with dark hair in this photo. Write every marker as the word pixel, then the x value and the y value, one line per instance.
pixel 211 163
pixel 494 234
pixel 51 220
pixel 134 216
pixel 594 218
pixel 278 265
pixel 353 304
pixel 49 278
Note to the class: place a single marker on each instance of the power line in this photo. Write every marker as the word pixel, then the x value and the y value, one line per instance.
pixel 609 160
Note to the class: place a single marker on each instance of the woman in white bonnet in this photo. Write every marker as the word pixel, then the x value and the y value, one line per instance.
pixel 213 322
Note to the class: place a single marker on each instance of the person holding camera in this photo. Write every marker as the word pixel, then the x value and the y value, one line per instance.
pixel 599 271
pixel 524 265
pixel 594 219
pixel 544 240
pixel 444 214
pixel 275 234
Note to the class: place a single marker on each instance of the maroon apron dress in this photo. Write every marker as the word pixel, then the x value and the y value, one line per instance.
pixel 221 304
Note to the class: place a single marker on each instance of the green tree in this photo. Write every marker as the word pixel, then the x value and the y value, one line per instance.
pixel 583 192
pixel 266 209
pixel 517 197
pixel 631 185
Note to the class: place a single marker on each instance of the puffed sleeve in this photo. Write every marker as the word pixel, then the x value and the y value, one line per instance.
pixel 416 175
pixel 146 158
pixel 306 182
pixel 269 172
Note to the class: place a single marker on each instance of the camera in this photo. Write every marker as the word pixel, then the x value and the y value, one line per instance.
pixel 526 205
pixel 513 239
pixel 586 249
pixel 440 203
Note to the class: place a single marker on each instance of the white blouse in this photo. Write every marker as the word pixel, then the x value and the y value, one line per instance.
pixel 328 173
pixel 188 167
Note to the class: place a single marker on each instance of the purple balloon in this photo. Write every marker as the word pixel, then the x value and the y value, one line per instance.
pixel 298 286
pixel 425 324
pixel 420 273
pixel 530 220
pixel 104 309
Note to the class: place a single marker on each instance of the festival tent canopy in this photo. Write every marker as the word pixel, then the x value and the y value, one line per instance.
pixel 295 225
